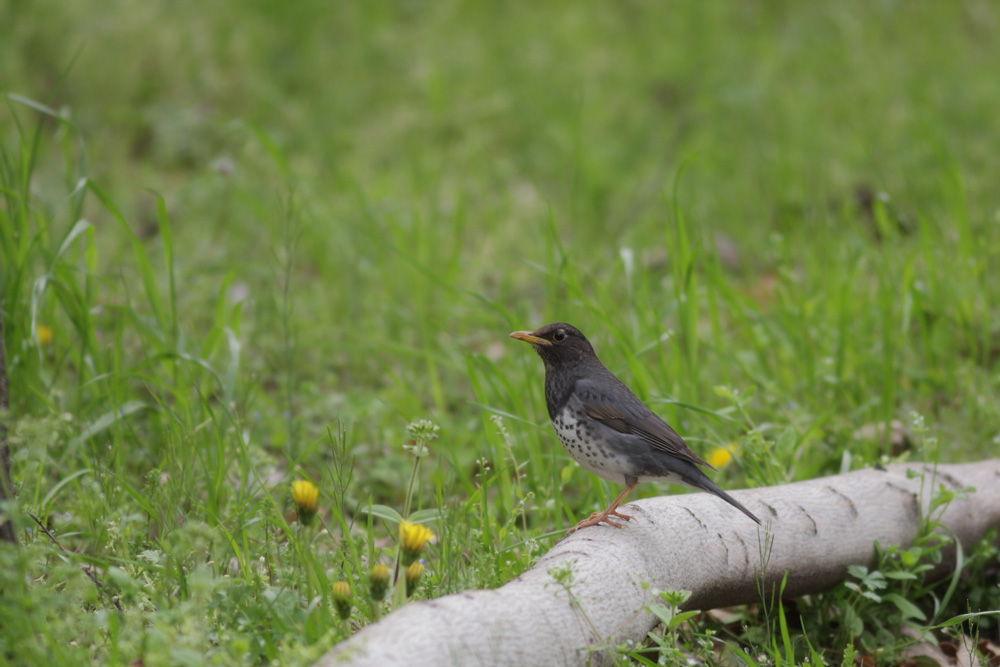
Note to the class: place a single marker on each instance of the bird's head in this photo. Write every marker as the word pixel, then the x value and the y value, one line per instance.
pixel 558 344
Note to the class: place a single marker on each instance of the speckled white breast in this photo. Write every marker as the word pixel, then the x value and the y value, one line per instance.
pixel 579 438
pixel 583 439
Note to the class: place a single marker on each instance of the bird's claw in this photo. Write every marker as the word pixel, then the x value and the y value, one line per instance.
pixel 615 512
pixel 601 517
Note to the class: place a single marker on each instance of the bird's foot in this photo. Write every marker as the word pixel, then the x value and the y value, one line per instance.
pixel 601 517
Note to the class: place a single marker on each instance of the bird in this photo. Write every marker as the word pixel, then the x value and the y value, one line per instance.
pixel 606 428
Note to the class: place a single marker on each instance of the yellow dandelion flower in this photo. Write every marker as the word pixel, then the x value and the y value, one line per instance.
pixel 413 538
pixel 306 497
pixel 44 335
pixel 413 573
pixel 719 457
pixel 379 582
pixel 342 599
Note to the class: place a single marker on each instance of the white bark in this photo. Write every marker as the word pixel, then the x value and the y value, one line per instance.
pixel 813 531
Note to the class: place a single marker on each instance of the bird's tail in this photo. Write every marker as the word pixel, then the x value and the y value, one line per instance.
pixel 705 484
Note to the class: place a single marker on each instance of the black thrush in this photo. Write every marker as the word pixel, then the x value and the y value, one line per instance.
pixel 605 427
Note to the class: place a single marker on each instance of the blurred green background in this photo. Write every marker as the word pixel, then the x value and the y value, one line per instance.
pixel 777 221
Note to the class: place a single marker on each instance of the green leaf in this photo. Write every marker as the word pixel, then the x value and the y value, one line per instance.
pixel 77 229
pixel 955 576
pixel 139 252
pixel 787 441
pixel 565 474
pixel 783 625
pixel 910 557
pixel 909 609
pixel 423 516
pixel 107 419
pixel 720 414
pixel 852 621
pixel 662 612
pixel 675 598
pixel 384 512
pixel 942 497
pixel 167 239
pixel 722 391
pixel 680 618
pixel 961 618
pixel 54 491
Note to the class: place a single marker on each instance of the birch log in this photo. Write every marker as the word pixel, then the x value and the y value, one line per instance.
pixel 813 530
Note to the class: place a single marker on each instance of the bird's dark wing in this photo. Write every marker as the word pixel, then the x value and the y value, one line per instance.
pixel 637 419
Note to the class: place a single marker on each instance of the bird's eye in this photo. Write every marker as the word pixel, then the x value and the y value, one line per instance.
pixel 559 335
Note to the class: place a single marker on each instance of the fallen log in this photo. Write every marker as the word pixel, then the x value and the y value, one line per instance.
pixel 813 530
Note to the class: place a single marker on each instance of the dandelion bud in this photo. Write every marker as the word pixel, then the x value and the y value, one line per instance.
pixel 342 599
pixel 379 582
pixel 413 573
pixel 306 497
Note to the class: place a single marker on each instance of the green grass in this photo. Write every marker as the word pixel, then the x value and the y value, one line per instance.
pixel 267 238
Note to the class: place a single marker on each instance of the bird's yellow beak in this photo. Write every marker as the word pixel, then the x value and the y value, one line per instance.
pixel 529 337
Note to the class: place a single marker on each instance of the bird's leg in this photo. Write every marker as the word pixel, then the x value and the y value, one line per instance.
pixel 598 517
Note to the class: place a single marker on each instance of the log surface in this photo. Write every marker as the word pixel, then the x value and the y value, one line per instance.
pixel 813 530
